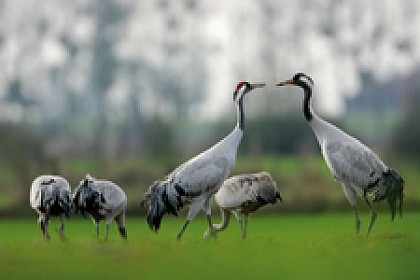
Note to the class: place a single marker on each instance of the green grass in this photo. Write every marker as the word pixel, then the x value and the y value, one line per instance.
pixel 316 246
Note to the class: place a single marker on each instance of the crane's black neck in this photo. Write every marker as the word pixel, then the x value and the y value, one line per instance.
pixel 240 114
pixel 307 112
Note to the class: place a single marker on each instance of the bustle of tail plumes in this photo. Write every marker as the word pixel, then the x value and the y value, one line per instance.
pixel 162 198
pixel 56 201
pixel 80 197
pixel 390 187
pixel 269 193
pixel 88 200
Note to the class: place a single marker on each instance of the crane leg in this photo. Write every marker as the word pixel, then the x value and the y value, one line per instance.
pixel 97 229
pixel 195 207
pixel 182 230
pixel 43 222
pixel 120 220
pixel 211 230
pixel 123 233
pixel 241 223
pixel 223 225
pixel 107 231
pixel 61 230
pixel 351 197
pixel 245 226
pixel 356 216
pixel 207 207
pixel 372 216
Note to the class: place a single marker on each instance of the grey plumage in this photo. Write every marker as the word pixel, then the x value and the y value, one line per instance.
pixel 360 171
pixel 241 195
pixel 102 200
pixel 50 196
pixel 194 182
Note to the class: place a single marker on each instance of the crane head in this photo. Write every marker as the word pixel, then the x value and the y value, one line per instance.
pixel 299 79
pixel 243 88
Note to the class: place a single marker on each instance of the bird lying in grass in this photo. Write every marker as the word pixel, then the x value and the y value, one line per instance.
pixel 102 200
pixel 50 196
pixel 242 195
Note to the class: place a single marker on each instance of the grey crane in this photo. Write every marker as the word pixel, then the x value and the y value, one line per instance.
pixel 195 181
pixel 360 171
pixel 241 195
pixel 102 200
pixel 50 196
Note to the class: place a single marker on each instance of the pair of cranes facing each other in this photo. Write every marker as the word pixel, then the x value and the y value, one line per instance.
pixel 103 200
pixel 360 171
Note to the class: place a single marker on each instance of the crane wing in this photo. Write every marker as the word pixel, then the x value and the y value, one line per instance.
pixel 201 175
pixel 113 195
pixel 238 191
pixel 352 162
pixel 246 190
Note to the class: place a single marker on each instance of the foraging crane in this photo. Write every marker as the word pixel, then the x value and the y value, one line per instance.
pixel 360 171
pixel 195 181
pixel 50 196
pixel 102 200
pixel 242 195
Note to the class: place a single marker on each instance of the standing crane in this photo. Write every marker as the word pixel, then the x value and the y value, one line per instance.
pixel 360 171
pixel 195 181
pixel 102 200
pixel 50 196
pixel 242 195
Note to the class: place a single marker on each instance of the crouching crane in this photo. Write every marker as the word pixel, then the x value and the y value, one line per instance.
pixel 50 196
pixel 102 200
pixel 195 181
pixel 242 195
pixel 360 171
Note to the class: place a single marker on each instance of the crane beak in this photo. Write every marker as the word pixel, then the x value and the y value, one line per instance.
pixel 285 83
pixel 257 85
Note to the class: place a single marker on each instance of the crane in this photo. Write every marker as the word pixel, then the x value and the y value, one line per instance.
pixel 195 181
pixel 241 195
pixel 360 171
pixel 102 200
pixel 50 196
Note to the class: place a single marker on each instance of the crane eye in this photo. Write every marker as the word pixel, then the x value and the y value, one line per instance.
pixel 240 85
pixel 300 77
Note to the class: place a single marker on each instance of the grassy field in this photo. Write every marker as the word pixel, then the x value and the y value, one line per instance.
pixel 281 246
pixel 281 243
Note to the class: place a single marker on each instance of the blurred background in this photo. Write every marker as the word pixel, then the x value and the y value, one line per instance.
pixel 126 90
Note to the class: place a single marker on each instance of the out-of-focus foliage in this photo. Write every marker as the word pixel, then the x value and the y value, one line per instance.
pixel 88 72
pixel 273 134
pixel 406 138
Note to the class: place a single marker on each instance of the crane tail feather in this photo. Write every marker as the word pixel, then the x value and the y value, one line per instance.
pixel 162 199
pixel 395 192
